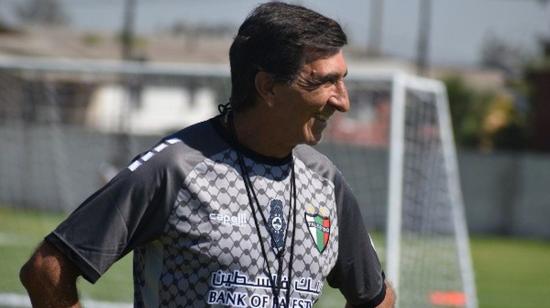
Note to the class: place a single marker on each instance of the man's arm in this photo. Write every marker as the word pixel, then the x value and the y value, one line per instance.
pixel 389 299
pixel 50 278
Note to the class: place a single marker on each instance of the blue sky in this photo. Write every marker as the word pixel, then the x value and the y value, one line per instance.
pixel 458 26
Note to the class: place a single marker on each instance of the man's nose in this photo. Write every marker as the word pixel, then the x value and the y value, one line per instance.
pixel 340 100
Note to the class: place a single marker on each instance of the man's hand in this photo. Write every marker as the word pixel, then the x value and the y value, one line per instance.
pixel 50 278
pixel 389 299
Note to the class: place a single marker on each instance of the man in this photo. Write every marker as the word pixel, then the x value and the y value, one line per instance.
pixel 234 211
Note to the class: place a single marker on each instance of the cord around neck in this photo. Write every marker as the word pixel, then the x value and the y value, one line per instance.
pixel 276 286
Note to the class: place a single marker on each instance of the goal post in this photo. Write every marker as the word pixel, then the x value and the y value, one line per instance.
pixel 427 258
pixel 459 215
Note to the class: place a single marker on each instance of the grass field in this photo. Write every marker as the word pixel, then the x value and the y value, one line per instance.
pixel 509 272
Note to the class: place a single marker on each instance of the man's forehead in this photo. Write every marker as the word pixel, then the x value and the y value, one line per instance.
pixel 331 65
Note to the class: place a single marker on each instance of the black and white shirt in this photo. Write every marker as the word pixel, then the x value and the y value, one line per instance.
pixel 183 208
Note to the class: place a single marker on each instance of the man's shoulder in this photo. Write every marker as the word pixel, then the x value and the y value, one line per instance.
pixel 202 137
pixel 184 148
pixel 308 153
pixel 195 133
pixel 316 161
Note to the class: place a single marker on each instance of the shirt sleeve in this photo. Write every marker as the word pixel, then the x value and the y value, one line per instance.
pixel 357 272
pixel 130 210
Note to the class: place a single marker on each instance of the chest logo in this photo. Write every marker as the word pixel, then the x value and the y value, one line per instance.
pixel 276 223
pixel 319 228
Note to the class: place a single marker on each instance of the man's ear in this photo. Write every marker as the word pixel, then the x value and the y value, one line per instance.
pixel 264 87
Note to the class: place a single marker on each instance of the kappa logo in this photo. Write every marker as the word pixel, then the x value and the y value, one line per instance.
pixel 319 228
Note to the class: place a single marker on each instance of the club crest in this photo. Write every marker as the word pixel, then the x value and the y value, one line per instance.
pixel 276 224
pixel 319 228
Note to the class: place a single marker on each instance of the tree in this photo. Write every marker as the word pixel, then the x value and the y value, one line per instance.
pixel 468 108
pixel 488 120
pixel 504 126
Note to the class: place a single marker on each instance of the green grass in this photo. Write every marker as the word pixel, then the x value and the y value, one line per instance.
pixel 509 272
pixel 22 231
pixel 512 272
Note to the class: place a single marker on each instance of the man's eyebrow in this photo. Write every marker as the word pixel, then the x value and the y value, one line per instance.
pixel 330 77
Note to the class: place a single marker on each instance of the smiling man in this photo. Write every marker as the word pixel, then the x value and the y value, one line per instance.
pixel 296 111
pixel 238 210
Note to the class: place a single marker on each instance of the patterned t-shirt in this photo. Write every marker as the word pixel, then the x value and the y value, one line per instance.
pixel 184 209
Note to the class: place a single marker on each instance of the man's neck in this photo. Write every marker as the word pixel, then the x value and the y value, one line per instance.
pixel 255 132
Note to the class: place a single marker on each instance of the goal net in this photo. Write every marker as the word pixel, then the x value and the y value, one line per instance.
pixel 68 126
pixel 428 250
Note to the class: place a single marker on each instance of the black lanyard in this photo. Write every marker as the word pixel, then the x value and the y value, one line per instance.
pixel 252 198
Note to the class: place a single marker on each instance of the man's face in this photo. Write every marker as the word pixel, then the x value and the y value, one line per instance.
pixel 304 107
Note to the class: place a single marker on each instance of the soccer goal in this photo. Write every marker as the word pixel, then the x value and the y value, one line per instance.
pixel 67 125
pixel 428 255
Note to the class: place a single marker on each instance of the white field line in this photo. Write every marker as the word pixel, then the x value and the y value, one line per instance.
pixel 17 300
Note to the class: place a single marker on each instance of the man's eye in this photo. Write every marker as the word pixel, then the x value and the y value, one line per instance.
pixel 309 85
